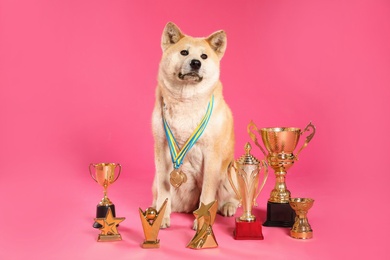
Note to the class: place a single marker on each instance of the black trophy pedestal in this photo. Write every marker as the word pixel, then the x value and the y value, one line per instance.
pixel 279 215
pixel 101 212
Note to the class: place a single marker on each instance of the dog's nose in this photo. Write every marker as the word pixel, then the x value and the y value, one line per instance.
pixel 195 64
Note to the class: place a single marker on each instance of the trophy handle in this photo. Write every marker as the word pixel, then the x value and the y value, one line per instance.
pixel 119 173
pixel 90 172
pixel 308 138
pixel 265 176
pixel 252 127
pixel 231 165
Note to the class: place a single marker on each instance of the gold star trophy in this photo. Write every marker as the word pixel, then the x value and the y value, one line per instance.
pixel 151 222
pixel 204 236
pixel 109 231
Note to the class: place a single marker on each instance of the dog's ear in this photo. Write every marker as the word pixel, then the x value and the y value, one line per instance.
pixel 218 42
pixel 171 35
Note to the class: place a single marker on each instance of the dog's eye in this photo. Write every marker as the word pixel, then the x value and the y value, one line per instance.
pixel 184 52
pixel 203 56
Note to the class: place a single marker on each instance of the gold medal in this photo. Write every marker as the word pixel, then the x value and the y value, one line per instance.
pixel 177 178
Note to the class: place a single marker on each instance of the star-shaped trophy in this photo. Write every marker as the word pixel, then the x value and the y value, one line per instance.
pixel 204 236
pixel 109 230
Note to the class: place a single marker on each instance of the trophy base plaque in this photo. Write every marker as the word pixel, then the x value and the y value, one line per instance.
pixel 108 238
pixel 151 244
pixel 301 235
pixel 279 215
pixel 101 212
pixel 248 230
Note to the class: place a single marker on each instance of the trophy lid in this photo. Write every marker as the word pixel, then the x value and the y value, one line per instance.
pixel 247 158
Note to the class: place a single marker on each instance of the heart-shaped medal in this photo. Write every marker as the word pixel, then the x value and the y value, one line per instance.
pixel 177 178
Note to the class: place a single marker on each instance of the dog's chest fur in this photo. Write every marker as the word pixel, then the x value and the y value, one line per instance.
pixel 184 117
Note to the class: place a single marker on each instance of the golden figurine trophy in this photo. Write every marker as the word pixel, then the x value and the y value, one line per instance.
pixel 151 222
pixel 280 143
pixel 109 231
pixel 247 170
pixel 204 236
pixel 301 228
pixel 104 175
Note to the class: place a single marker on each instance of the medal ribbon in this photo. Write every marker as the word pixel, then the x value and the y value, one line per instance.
pixel 178 157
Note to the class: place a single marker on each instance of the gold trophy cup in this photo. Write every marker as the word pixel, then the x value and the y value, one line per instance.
pixel 280 143
pixel 247 170
pixel 104 175
pixel 301 228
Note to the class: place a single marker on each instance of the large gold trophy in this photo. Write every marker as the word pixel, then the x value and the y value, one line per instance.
pixel 104 175
pixel 247 169
pixel 280 143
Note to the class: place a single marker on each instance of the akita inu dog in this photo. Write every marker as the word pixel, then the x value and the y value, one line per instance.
pixel 188 99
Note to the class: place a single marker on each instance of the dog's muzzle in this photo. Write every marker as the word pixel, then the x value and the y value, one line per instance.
pixel 193 74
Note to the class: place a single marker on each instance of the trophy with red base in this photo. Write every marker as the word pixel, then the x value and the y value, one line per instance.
pixel 247 170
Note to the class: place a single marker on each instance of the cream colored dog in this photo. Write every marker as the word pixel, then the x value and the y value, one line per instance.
pixel 188 78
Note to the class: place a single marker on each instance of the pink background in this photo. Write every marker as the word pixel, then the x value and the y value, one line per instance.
pixel 77 82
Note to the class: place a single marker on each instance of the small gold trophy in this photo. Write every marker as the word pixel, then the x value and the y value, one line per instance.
pixel 204 236
pixel 280 143
pixel 104 175
pixel 151 222
pixel 109 231
pixel 247 172
pixel 301 228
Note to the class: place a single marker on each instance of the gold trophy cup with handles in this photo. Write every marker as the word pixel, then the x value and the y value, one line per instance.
pixel 280 144
pixel 248 170
pixel 104 174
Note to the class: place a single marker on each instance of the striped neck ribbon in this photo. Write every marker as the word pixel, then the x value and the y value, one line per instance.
pixel 178 154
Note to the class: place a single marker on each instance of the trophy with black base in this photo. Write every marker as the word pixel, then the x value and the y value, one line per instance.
pixel 104 175
pixel 280 143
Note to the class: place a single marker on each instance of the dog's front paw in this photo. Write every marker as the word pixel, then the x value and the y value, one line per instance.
pixel 166 222
pixel 228 209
